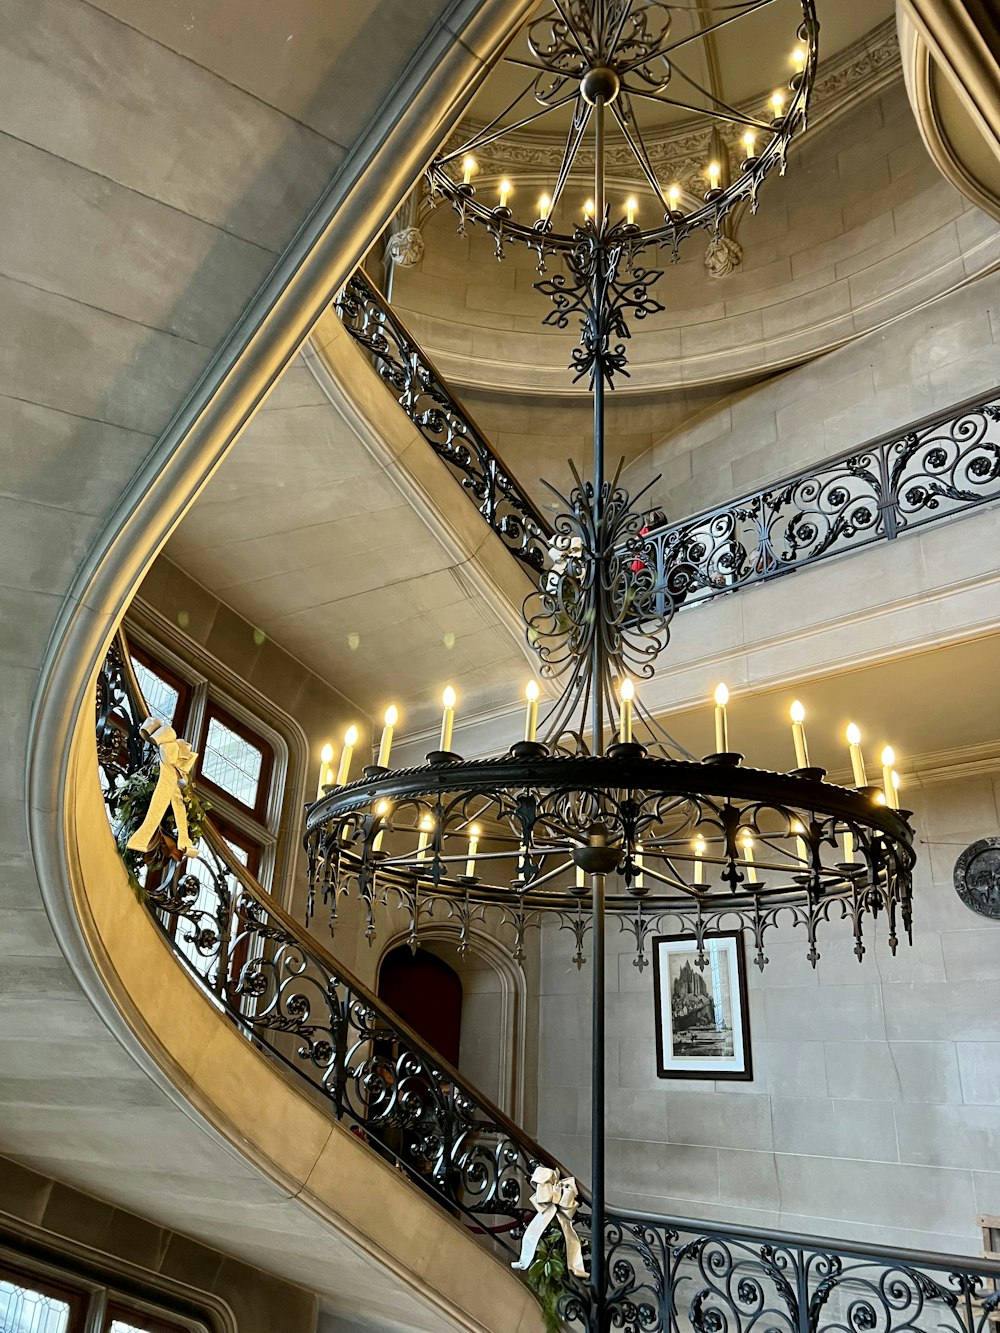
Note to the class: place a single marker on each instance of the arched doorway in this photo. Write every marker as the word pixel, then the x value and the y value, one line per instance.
pixel 427 994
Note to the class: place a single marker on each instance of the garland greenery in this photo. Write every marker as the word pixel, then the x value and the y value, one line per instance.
pixel 547 1277
pixel 129 803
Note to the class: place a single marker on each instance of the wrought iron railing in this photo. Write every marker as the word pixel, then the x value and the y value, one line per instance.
pixel 443 422
pixel 298 1006
pixel 896 484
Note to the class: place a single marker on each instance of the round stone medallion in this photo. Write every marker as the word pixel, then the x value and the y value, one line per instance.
pixel 977 877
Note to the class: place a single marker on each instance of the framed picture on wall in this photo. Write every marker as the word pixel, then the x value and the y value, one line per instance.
pixel 702 1013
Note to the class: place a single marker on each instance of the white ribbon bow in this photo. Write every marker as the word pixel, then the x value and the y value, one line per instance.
pixel 176 761
pixel 554 1200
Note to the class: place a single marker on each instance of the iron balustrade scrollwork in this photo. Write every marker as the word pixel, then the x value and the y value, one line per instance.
pixel 293 1000
pixel 897 484
pixel 443 422
pixel 296 1004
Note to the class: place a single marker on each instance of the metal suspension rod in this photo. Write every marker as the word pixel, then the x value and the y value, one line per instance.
pixel 597 1264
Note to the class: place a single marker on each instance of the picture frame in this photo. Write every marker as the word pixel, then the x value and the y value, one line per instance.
pixel 702 1015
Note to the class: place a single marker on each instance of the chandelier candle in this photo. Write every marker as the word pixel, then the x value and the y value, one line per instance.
pixel 888 786
pixel 344 772
pixel 714 175
pixel 631 207
pixel 504 193
pixel 382 809
pixel 801 848
pixel 325 771
pixel 544 205
pixel 639 866
pixel 627 695
pixel 385 745
pixel 531 693
pixel 848 847
pixel 721 720
pixel 468 167
pixel 857 758
pixel 799 735
pixel 470 865
pixel 426 828
pixel 700 847
pixel 447 719
pixel 746 846
pixel 777 105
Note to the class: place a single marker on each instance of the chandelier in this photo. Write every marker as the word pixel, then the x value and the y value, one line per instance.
pixel 593 812
pixel 597 788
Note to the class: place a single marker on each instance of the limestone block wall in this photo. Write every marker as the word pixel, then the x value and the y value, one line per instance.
pixel 874 1111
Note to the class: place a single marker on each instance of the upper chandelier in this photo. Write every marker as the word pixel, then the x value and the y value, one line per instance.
pixel 630 57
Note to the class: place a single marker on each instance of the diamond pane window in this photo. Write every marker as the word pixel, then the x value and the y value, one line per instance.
pixel 233 762
pixel 161 697
pixel 23 1310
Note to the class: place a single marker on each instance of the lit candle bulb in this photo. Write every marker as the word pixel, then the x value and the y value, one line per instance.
pixel 350 740
pixel 700 847
pixel 382 809
pixel 721 720
pixel 544 206
pixel 531 693
pixel 385 745
pixel 749 142
pixel 777 104
pixel 848 847
pixel 325 774
pixel 674 198
pixel 426 829
pixel 640 863
pixel 631 207
pixel 470 865
pixel 588 208
pixel 888 786
pixel 746 846
pixel 857 758
pixel 447 719
pixel 627 695
pixel 714 175
pixel 799 59
pixel 504 193
pixel 468 167
pixel 799 735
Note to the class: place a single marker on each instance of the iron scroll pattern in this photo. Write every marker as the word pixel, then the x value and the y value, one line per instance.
pixel 443 422
pixel 899 483
pixel 293 1001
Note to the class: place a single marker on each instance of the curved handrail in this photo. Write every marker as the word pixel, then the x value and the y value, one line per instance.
pixel 295 1002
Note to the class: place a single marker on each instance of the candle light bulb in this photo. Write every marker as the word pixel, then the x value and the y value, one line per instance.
pixel 798 715
pixel 627 694
pixel 426 829
pixel 347 754
pixel 888 757
pixel 799 59
pixel 674 197
pixel 631 208
pixel 505 190
pixel 853 734
pixel 857 758
pixel 801 848
pixel 447 719
pixel 544 205
pixel 749 142
pixel 470 865
pixel 531 693
pixel 468 167
pixel 385 745
pixel 325 773
pixel 714 175
pixel 700 847
pixel 721 720
pixel 588 208
pixel 888 786
pixel 777 104
pixel 746 844
pixel 382 809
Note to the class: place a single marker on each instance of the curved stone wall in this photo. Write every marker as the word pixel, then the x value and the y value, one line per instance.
pixel 861 230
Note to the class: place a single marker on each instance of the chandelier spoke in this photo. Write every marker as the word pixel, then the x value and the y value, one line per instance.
pixel 742 12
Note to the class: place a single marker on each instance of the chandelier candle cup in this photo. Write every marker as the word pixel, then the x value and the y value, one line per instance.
pixel 627 696
pixel 798 714
pixel 470 865
pixel 385 745
pixel 344 771
pixel 325 769
pixel 888 786
pixel 857 758
pixel 447 719
pixel 531 692
pixel 721 720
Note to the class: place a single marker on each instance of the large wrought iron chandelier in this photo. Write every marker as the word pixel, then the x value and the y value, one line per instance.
pixel 599 789
pixel 596 812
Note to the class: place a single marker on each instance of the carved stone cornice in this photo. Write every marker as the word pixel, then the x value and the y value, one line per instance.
pixel 678 152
